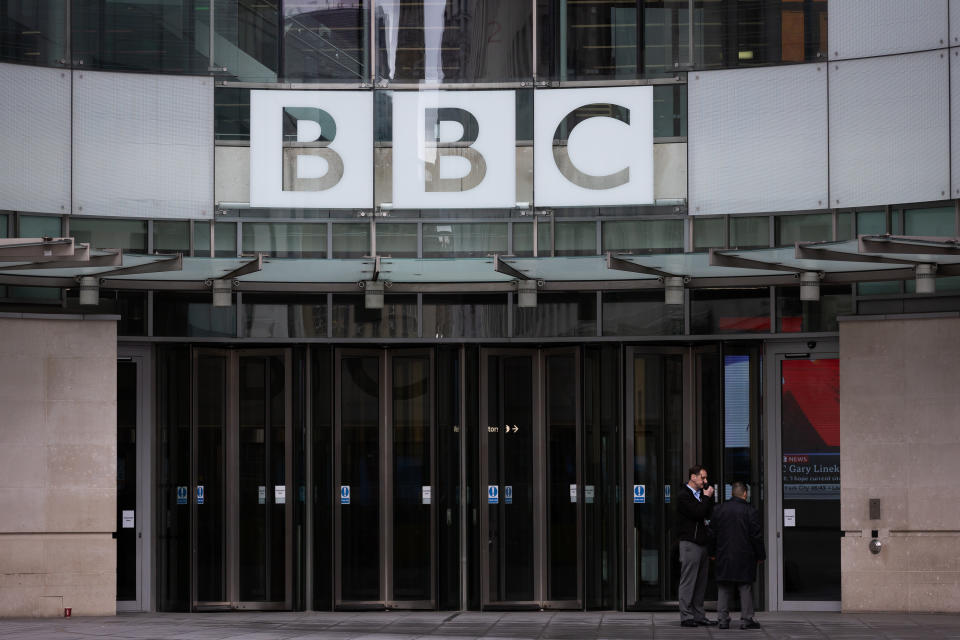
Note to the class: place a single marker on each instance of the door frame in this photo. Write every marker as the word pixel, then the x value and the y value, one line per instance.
pixel 231 479
pixel 538 479
pixel 775 352
pixel 690 439
pixel 142 356
pixel 385 484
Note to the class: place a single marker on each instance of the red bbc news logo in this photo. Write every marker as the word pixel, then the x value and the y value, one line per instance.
pixel 796 458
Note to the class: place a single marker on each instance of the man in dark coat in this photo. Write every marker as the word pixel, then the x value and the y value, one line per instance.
pixel 694 506
pixel 739 536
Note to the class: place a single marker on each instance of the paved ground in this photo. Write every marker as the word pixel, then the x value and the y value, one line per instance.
pixel 460 626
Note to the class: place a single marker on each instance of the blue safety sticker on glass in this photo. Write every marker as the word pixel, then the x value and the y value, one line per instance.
pixel 182 494
pixel 200 494
pixel 344 494
pixel 508 494
pixel 493 494
pixel 639 493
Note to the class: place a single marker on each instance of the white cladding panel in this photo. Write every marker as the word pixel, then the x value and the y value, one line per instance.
pixel 889 130
pixel 955 120
pixel 861 28
pixel 34 139
pixel 758 139
pixel 955 23
pixel 143 145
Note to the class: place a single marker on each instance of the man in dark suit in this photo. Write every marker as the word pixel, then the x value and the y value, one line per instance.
pixel 694 506
pixel 739 535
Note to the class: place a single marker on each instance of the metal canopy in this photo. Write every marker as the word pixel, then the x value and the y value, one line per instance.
pixel 864 259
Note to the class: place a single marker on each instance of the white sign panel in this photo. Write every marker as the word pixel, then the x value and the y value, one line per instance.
pixel 789 517
pixel 311 149
pixel 262 494
pixel 573 493
pixel 127 519
pixel 454 149
pixel 426 494
pixel 607 156
pixel 280 494
pixel 588 493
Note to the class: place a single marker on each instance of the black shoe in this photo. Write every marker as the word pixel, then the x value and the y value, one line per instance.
pixel 725 624
pixel 688 623
pixel 707 622
pixel 749 624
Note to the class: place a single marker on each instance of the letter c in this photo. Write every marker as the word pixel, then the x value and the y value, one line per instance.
pixel 562 157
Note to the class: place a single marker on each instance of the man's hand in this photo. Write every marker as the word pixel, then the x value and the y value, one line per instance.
pixel 708 491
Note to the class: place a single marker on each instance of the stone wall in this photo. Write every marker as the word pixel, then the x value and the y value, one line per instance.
pixel 900 442
pixel 58 417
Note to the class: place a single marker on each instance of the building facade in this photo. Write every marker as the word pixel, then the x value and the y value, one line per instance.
pixel 431 304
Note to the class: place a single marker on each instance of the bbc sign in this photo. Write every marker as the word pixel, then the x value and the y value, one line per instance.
pixel 451 149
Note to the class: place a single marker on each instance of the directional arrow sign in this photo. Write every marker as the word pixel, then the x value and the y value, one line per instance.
pixel 515 428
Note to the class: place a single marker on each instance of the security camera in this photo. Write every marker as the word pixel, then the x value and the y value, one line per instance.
pixel 811 345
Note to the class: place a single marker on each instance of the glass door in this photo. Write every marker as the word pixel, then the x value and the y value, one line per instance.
pixel 654 471
pixel 241 474
pixel 133 479
pixel 806 458
pixel 530 443
pixel 385 513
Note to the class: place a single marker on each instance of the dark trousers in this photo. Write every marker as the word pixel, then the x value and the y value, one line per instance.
pixel 725 595
pixel 693 580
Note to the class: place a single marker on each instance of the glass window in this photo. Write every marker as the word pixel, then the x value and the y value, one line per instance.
pixel 325 40
pixel 131 306
pixel 464 239
pixel 708 233
pixel 732 33
pixel 879 288
pixel 285 240
pixel 795 315
pixel 813 227
pixel 397 318
pixel 640 313
pixel 730 310
pixel 201 239
pixel 465 41
pixel 609 39
pixel 396 240
pixel 129 235
pixel 351 240
pixel 4 225
pixel 231 113
pixel 575 239
pixel 225 239
pixel 871 223
pixel 247 40
pixel 937 222
pixel 266 316
pixel 670 111
pixel 522 239
pixel 556 315
pixel 191 315
pixel 171 236
pixel 40 227
pixel 845 226
pixel 644 236
pixel 465 316
pixel 749 232
pixel 34 31
pixel 171 36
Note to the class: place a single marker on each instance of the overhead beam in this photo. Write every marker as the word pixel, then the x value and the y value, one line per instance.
pixel 501 266
pixel 106 260
pixel 804 251
pixel 906 244
pixel 250 267
pixel 174 263
pixel 718 259
pixel 36 249
pixel 619 264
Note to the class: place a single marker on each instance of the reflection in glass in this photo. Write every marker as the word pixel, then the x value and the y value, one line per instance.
pixel 225 240
pixel 938 222
pixel 267 316
pixel 640 313
pixel 749 232
pixel 351 240
pixel 176 314
pixel 709 233
pixel 466 316
pixel 285 240
pixel 324 40
pixel 34 31
pixel 210 553
pixel 810 437
pixel 796 315
pixel 462 41
pixel 40 227
pixel 575 238
pixel 730 310
pixel 562 478
pixel 129 235
pixel 247 39
pixel 397 319
pixel 463 240
pixel 557 314
pixel 169 36
pixel 813 227
pixel 412 576
pixel 360 471
pixel 396 240
pixel 871 222
pixel 608 39
pixel 643 236
pixel 171 236
pixel 730 33
pixel 201 239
